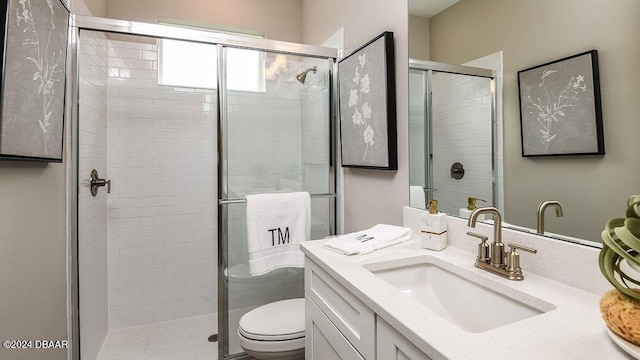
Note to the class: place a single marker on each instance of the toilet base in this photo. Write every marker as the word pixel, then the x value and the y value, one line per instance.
pixel 289 355
pixel 273 350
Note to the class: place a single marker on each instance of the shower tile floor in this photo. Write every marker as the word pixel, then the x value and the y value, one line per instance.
pixel 169 340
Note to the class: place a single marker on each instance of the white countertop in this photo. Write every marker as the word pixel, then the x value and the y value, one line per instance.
pixel 573 330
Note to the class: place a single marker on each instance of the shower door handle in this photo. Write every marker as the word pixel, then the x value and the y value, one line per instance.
pixel 95 182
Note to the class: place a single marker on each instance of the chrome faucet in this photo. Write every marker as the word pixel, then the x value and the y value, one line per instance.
pixel 542 207
pixel 492 258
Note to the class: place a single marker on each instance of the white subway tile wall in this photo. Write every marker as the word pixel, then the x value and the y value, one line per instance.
pixel 162 208
pixel 461 133
pixel 92 211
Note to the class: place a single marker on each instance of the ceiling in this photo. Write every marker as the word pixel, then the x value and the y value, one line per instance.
pixel 428 8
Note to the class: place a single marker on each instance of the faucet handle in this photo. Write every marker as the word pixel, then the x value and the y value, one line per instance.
pixel 479 236
pixel 483 247
pixel 513 258
pixel 515 246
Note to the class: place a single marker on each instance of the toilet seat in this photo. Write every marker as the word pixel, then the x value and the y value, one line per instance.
pixel 261 337
pixel 278 321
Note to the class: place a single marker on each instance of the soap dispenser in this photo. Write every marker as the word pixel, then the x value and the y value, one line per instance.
pixel 434 228
pixel 466 212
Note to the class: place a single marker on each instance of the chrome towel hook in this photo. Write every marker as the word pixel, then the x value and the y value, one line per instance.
pixel 95 182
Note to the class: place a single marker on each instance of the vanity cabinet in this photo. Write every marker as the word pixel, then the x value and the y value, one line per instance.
pixel 322 339
pixel 339 325
pixel 391 345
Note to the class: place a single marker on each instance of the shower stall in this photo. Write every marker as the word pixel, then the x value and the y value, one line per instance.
pixel 179 125
pixel 453 134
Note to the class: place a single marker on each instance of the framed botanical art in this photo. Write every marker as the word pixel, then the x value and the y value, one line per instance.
pixel 366 81
pixel 33 79
pixel 560 109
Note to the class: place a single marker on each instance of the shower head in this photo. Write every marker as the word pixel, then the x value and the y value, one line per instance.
pixel 302 76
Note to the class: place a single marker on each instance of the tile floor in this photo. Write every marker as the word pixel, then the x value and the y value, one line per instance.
pixel 169 340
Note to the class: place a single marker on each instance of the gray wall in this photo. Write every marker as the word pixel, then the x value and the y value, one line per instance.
pixel 531 33
pixel 33 290
pixel 371 196
pixel 419 39
pixel 96 7
pixel 33 260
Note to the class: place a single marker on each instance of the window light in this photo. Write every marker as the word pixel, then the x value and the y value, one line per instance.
pixel 187 64
pixel 194 65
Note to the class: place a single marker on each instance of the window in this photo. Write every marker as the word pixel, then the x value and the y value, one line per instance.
pixel 188 64
pixel 245 70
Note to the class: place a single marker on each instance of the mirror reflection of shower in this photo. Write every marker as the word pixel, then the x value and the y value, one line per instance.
pixel 302 76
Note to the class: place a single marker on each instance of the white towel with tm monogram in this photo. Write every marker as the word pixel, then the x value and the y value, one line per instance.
pixel 276 225
pixel 366 241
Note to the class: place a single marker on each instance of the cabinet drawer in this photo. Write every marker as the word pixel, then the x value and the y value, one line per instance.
pixel 391 345
pixel 323 341
pixel 351 316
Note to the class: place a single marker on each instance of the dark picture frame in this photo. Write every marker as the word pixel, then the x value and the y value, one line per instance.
pixel 367 104
pixel 560 107
pixel 33 84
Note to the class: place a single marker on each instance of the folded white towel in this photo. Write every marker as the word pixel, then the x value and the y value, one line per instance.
pixel 416 197
pixel 364 242
pixel 276 225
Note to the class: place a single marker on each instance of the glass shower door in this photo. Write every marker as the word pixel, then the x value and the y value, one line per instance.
pixel 275 138
pixel 147 249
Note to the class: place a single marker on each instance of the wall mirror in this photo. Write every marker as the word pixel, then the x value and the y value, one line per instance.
pixel 592 189
pixel 453 131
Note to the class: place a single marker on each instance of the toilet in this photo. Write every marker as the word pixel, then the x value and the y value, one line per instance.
pixel 274 331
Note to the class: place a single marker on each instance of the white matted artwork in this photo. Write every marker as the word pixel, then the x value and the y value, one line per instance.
pixel 367 106
pixel 33 82
pixel 560 110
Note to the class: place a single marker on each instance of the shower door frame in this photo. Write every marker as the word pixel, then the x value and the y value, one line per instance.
pixel 79 23
pixel 428 67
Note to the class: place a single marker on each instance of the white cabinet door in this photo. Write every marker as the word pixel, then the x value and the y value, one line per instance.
pixel 323 341
pixel 391 345
pixel 353 318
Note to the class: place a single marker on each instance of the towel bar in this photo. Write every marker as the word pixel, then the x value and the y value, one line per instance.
pixel 240 201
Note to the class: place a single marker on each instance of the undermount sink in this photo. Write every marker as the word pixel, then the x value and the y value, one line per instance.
pixel 470 306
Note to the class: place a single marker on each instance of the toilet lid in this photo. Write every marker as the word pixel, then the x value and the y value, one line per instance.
pixel 280 320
